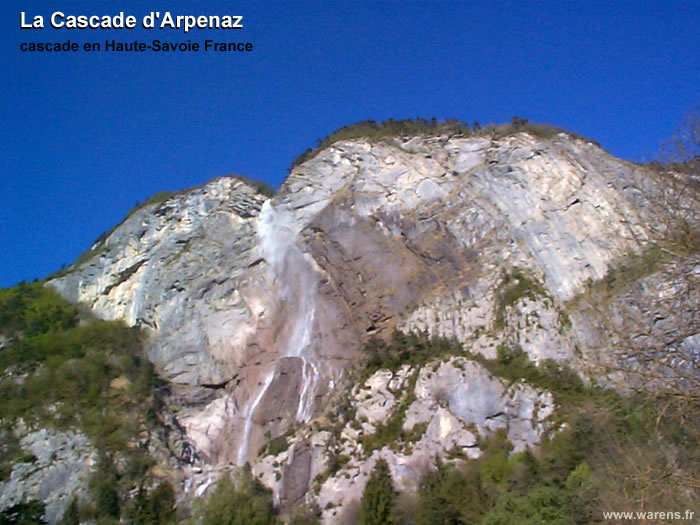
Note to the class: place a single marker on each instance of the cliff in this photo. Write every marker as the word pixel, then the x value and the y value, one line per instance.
pixel 258 309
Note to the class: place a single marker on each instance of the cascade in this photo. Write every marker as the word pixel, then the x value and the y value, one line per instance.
pixel 243 448
pixel 297 284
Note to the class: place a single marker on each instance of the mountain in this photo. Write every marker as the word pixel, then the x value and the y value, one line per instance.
pixel 421 299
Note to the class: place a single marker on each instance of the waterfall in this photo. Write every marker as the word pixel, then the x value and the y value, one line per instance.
pixel 297 283
pixel 202 488
pixel 243 448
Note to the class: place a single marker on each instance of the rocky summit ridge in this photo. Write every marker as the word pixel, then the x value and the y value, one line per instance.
pixel 258 308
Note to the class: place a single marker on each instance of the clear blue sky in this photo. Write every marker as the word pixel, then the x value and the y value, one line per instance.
pixel 86 136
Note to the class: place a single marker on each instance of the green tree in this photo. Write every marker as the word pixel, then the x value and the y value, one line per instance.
pixel 104 488
pixel 72 515
pixel 156 507
pixel 451 495
pixel 434 505
pixel 29 513
pixel 249 503
pixel 540 505
pixel 378 498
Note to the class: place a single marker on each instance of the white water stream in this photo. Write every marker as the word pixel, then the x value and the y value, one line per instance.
pixel 243 448
pixel 297 283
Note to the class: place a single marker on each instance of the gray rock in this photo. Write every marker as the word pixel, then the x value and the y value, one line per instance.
pixel 58 472
pixel 457 400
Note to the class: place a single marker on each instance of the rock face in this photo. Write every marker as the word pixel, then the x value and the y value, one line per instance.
pixel 452 403
pixel 171 267
pixel 258 307
pixel 456 401
pixel 56 469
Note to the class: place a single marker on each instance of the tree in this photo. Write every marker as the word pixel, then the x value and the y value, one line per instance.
pixel 105 481
pixel 434 506
pixel 249 503
pixel 107 499
pixel 518 123
pixel 29 513
pixel 379 496
pixel 540 505
pixel 72 515
pixel 450 495
pixel 156 507
pixel 684 144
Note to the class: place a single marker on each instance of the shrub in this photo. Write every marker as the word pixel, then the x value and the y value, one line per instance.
pixel 376 131
pixel 518 123
pixel 275 446
pixel 369 129
pixel 391 432
pixel 405 349
pixel 306 515
pixel 515 285
pixel 261 186
pixel 336 462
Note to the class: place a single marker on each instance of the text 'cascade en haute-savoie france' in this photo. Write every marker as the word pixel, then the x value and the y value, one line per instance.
pixel 155 19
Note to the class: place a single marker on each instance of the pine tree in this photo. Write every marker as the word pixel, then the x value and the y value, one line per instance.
pixel 378 498
pixel 71 516
pixel 249 503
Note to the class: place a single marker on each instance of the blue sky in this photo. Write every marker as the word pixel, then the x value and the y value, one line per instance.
pixel 85 136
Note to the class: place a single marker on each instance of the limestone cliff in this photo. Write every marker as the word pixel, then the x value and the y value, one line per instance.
pixel 257 308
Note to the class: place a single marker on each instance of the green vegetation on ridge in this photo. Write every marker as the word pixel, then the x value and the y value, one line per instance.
pixel 376 131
